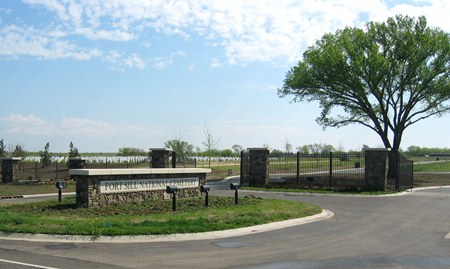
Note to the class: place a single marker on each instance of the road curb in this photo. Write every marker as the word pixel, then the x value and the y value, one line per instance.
pixel 333 194
pixel 431 188
pixel 48 195
pixel 325 214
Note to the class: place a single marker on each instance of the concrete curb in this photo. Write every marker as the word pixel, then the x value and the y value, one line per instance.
pixel 333 194
pixel 36 195
pixel 431 188
pixel 48 195
pixel 325 214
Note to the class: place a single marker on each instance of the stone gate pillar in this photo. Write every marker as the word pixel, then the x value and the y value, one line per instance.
pixel 77 163
pixel 258 166
pixel 376 168
pixel 10 167
pixel 160 158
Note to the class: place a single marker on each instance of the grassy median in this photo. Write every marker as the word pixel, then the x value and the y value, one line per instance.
pixel 149 218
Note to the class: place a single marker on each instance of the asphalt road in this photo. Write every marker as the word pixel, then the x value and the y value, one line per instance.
pixel 406 231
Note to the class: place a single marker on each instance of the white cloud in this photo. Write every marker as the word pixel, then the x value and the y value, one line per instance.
pixel 27 124
pixel 276 31
pixel 69 126
pixel 216 63
pixel 94 34
pixel 121 61
pixel 113 57
pixel 33 125
pixel 6 11
pixel 263 88
pixel 16 41
pixel 134 61
pixel 55 6
pixel 436 12
pixel 162 62
pixel 86 127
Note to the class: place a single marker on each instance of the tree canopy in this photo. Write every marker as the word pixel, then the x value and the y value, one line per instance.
pixel 2 149
pixel 182 148
pixel 45 155
pixel 131 151
pixel 386 77
pixel 73 151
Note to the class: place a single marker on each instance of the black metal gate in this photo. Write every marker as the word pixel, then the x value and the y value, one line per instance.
pixel 405 173
pixel 245 168
pixel 400 174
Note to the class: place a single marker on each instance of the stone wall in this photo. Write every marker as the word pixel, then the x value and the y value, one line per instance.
pixel 88 193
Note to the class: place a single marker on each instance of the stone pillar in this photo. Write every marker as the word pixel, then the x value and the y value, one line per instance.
pixel 160 158
pixel 10 167
pixel 258 166
pixel 77 163
pixel 376 168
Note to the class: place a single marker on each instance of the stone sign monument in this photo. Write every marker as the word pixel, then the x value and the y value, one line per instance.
pixel 97 187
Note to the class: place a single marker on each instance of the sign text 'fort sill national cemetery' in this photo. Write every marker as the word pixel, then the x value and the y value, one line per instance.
pixel 115 186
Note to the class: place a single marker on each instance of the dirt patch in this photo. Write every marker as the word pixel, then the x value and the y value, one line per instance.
pixel 431 179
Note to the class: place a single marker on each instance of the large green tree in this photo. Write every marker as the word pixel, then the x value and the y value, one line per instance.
pixel 386 76
pixel 18 151
pixel 73 151
pixel 2 149
pixel 45 156
pixel 130 151
pixel 183 149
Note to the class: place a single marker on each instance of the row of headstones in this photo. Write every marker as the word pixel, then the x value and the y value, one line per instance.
pixel 160 159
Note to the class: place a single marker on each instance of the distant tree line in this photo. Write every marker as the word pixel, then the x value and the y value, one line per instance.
pixel 423 151
pixel 12 151
pixel 185 150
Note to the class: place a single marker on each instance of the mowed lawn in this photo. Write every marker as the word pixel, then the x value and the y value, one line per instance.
pixel 148 218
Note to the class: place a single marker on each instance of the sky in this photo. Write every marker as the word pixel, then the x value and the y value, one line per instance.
pixel 135 73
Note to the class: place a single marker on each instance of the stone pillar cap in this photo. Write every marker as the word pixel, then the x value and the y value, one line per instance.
pixel 378 149
pixel 159 149
pixel 11 158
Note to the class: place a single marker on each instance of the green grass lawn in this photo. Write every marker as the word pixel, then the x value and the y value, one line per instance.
pixel 150 218
pixel 11 189
pixel 432 167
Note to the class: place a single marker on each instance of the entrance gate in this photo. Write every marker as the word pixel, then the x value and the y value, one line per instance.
pixel 245 168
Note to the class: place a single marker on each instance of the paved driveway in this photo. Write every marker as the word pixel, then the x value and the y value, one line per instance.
pixel 405 231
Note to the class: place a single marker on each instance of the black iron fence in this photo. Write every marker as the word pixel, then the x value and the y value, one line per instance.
pixel 405 176
pixel 331 170
pixel 179 160
pixel 338 171
pixel 322 170
pixel 36 171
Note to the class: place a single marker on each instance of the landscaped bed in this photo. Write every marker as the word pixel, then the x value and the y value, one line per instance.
pixel 149 218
